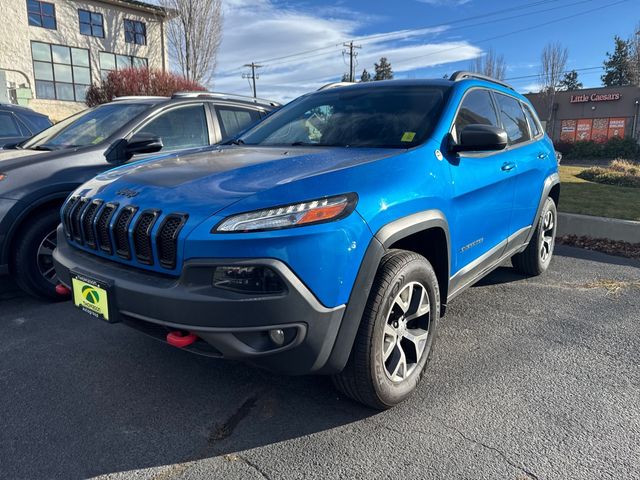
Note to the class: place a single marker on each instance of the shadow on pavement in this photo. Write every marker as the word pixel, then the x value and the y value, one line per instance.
pixel 593 256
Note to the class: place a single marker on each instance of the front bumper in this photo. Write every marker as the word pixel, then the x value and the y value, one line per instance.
pixel 228 324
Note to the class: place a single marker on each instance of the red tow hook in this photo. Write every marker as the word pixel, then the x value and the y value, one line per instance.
pixel 180 339
pixel 62 290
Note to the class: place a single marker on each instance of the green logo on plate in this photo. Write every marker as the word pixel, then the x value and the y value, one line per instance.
pixel 90 294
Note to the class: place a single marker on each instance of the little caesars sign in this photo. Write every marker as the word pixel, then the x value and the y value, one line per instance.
pixel 595 97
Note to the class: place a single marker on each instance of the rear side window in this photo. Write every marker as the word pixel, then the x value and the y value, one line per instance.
pixel 534 125
pixel 233 120
pixel 476 109
pixel 513 119
pixel 8 126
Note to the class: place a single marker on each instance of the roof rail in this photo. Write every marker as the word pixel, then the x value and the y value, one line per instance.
pixel 139 97
pixel 462 75
pixel 335 85
pixel 226 96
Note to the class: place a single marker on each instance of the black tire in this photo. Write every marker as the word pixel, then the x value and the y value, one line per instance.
pixel 535 259
pixel 27 265
pixel 366 377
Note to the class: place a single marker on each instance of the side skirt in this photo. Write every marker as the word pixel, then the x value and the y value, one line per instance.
pixel 488 262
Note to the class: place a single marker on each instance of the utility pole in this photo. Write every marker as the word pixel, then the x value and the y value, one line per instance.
pixel 352 57
pixel 252 76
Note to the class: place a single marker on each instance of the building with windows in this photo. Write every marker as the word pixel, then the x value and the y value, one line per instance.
pixel 51 51
pixel 596 114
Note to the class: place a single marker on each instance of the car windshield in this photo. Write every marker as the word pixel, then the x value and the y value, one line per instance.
pixel 86 128
pixel 383 117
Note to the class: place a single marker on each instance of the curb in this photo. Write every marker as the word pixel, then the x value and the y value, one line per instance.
pixel 598 227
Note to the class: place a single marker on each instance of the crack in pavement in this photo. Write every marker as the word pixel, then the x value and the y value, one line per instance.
pixel 504 456
pixel 226 429
pixel 510 462
pixel 254 466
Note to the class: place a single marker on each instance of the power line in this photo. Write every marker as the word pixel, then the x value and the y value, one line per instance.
pixel 252 76
pixel 566 71
pixel 520 30
pixel 293 57
pixel 386 34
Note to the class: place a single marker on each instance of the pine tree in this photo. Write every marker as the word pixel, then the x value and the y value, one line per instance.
pixel 366 76
pixel 383 70
pixel 570 81
pixel 618 71
pixel 345 77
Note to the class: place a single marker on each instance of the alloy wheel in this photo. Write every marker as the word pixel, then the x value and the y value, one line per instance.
pixel 548 234
pixel 406 331
pixel 45 258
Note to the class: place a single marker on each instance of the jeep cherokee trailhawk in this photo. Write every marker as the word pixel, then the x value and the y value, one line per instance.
pixel 326 239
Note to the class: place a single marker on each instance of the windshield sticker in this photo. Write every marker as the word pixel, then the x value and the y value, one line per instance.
pixel 97 140
pixel 408 137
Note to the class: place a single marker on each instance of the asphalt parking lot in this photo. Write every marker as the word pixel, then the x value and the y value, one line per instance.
pixel 532 378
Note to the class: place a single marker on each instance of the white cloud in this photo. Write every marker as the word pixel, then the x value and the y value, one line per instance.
pixel 259 30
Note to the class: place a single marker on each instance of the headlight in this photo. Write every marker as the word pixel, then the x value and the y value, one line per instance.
pixel 294 215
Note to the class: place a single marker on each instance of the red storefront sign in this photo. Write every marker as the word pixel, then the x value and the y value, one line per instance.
pixel 583 130
pixel 568 131
pixel 616 127
pixel 600 130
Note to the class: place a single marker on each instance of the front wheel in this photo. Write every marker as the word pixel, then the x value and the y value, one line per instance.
pixel 32 263
pixel 397 332
pixel 535 259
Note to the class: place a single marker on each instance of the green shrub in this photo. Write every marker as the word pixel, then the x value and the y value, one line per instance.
pixel 612 148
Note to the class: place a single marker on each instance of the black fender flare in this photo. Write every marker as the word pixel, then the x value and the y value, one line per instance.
pixel 378 246
pixel 549 182
pixel 24 213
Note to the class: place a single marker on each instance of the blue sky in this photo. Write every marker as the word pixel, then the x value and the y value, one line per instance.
pixel 422 38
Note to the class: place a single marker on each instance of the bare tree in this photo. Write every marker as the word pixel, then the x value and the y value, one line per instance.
pixel 553 63
pixel 491 64
pixel 194 36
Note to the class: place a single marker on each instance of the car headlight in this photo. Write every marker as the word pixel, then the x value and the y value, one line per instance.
pixel 293 215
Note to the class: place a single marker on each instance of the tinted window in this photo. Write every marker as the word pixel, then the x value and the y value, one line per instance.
pixel 8 126
pixel 513 119
pixel 534 125
pixel 183 127
pixel 232 120
pixel 476 109
pixel 87 128
pixel 41 14
pixel 384 117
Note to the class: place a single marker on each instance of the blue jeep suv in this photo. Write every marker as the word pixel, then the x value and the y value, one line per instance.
pixel 326 239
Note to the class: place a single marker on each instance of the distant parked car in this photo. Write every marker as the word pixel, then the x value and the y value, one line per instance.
pixel 37 176
pixel 19 123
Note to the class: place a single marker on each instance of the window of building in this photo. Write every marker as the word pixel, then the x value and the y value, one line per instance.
pixel 476 109
pixel 61 72
pixel 513 119
pixel 135 32
pixel 91 23
pixel 234 119
pixel 41 14
pixel 111 61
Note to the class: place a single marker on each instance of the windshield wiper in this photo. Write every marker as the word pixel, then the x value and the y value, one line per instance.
pixel 41 147
pixel 237 141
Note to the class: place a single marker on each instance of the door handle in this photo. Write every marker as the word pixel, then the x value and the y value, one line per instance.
pixel 542 155
pixel 508 166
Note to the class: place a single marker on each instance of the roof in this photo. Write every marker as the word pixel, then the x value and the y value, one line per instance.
pixel 142 6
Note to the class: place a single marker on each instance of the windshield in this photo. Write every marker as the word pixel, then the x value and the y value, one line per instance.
pixel 384 117
pixel 86 128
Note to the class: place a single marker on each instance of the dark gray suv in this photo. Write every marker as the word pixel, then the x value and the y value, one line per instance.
pixel 38 174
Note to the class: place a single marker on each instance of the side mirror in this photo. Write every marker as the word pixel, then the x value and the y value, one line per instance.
pixel 480 138
pixel 143 143
pixel 122 150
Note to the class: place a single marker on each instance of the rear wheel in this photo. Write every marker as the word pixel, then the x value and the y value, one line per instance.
pixel 535 259
pixel 396 335
pixel 32 263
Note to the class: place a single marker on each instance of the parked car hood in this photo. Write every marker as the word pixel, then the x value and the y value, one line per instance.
pixel 16 158
pixel 205 182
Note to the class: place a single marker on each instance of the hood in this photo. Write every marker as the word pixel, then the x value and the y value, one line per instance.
pixel 205 182
pixel 10 159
